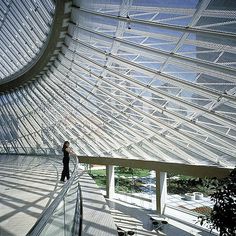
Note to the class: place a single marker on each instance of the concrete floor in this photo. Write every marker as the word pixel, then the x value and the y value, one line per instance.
pixel 97 219
pixel 28 185
pixel 133 213
pixel 132 217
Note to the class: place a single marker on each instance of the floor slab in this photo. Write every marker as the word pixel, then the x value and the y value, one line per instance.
pixel 28 185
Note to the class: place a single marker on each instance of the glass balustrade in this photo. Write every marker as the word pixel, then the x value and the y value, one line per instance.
pixel 64 215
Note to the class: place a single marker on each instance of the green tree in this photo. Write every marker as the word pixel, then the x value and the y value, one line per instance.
pixel 223 215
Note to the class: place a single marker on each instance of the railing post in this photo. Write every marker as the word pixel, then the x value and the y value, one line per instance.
pixel 161 191
pixel 110 181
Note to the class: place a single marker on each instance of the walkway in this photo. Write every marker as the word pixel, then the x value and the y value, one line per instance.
pixel 28 185
pixel 97 219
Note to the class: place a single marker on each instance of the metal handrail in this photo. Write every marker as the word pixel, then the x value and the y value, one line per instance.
pixel 78 217
pixel 48 213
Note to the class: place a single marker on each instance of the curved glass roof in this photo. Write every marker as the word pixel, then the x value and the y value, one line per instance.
pixel 141 79
pixel 24 29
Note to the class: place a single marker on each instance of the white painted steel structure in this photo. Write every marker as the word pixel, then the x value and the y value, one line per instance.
pixel 24 30
pixel 143 79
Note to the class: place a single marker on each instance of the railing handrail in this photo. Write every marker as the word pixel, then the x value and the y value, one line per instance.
pixel 48 213
pixel 77 226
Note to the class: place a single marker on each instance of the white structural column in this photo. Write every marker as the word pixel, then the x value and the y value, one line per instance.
pixel 161 191
pixel 110 183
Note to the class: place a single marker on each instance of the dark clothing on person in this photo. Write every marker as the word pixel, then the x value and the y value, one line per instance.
pixel 66 171
pixel 66 155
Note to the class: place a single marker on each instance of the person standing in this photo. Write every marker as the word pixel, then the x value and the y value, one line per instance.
pixel 66 159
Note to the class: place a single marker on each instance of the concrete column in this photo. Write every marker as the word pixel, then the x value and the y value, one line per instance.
pixel 110 183
pixel 161 191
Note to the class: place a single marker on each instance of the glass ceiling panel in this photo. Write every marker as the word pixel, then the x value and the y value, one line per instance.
pixel 151 80
pixel 24 29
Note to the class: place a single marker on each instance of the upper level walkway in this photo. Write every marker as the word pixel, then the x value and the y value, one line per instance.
pixel 28 186
pixel 97 219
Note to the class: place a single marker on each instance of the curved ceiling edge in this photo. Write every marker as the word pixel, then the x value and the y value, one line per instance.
pixel 56 38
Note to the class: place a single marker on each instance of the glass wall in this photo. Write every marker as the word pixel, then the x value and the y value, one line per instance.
pixel 139 79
